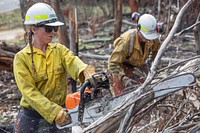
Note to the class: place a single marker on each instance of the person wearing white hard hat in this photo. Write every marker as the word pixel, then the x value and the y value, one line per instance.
pixel 40 71
pixel 127 63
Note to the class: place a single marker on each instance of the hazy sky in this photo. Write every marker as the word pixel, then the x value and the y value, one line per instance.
pixel 7 5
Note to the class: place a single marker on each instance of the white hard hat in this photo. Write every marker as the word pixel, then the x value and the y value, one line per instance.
pixel 147 25
pixel 41 14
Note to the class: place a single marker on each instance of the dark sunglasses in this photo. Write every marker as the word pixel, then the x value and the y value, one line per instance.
pixel 49 29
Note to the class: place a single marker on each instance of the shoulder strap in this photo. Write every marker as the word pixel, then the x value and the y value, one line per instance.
pixel 132 34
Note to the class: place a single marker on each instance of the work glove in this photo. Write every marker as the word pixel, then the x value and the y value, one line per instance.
pixel 62 117
pixel 128 82
pixel 117 85
pixel 88 72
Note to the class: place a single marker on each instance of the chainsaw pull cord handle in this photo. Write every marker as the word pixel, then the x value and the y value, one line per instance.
pixel 82 104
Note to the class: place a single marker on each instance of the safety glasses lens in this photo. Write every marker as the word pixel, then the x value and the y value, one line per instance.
pixel 49 29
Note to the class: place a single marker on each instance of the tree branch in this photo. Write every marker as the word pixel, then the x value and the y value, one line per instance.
pixel 192 26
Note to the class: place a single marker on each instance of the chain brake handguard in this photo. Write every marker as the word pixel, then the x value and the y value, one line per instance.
pixel 101 81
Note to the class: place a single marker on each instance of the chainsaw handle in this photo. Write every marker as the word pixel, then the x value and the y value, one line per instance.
pixel 81 104
pixel 83 87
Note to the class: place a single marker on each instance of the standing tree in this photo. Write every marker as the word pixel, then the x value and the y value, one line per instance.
pixel 62 33
pixel 117 18
pixel 197 35
pixel 73 34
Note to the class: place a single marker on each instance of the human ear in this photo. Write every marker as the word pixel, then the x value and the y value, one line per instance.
pixel 33 29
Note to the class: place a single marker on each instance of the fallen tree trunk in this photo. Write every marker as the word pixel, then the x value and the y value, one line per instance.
pixel 6 63
pixel 10 48
pixel 7 53
pixel 96 40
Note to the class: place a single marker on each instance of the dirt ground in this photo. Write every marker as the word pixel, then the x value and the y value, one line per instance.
pixel 9 35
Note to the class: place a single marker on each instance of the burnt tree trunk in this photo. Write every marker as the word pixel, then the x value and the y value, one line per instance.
pixel 24 5
pixel 118 18
pixel 197 36
pixel 73 31
pixel 133 5
pixel 62 33
pixel 73 35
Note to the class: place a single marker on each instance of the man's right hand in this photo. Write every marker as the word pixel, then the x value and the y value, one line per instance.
pixel 62 117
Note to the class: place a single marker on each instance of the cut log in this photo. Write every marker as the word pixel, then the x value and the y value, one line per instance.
pixel 7 53
pixel 8 47
pixel 6 63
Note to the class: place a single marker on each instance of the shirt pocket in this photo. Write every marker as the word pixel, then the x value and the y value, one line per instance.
pixel 60 80
pixel 58 70
pixel 41 75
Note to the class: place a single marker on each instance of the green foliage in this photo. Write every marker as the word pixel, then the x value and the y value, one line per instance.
pixel 10 20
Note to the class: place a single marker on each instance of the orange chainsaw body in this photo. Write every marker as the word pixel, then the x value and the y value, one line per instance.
pixel 73 99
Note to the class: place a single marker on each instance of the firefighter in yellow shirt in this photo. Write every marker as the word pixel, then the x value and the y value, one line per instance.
pixel 131 50
pixel 40 71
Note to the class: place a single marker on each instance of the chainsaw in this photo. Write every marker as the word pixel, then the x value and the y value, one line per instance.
pixel 99 101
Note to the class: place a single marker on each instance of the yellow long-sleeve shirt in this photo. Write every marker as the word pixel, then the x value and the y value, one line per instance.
pixel 45 90
pixel 121 52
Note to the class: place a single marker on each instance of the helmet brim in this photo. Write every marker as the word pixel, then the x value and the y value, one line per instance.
pixel 150 36
pixel 57 23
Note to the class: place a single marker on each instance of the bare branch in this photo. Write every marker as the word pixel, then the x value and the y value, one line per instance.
pixel 175 115
pixel 187 29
